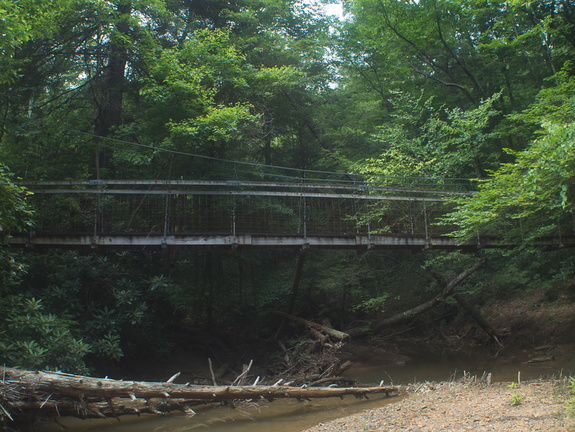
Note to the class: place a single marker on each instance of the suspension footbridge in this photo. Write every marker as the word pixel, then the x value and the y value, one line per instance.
pixel 237 214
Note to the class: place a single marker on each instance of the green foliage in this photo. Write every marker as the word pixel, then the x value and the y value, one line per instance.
pixel 11 270
pixel 554 104
pixel 463 51
pixel 375 305
pixel 456 54
pixel 515 399
pixel 411 94
pixel 530 198
pixel 21 21
pixel 422 141
pixel 108 347
pixel 86 305
pixel 426 148
pixel 15 214
pixel 32 338
pixel 301 349
pixel 347 288
pixel 570 404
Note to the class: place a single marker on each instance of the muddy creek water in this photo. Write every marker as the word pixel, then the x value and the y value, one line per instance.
pixel 411 364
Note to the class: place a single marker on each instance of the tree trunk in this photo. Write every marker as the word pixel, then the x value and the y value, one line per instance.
pixel 109 102
pixel 294 292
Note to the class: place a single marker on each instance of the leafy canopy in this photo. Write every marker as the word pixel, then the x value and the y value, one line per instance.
pixel 529 198
pixel 532 196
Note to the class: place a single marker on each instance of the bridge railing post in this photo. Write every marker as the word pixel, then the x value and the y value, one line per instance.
pixel 411 223
pixel 99 203
pixel 95 227
pixel 425 224
pixel 166 216
pixel 304 218
pixel 370 242
pixel 97 215
pixel 304 205
pixel 356 215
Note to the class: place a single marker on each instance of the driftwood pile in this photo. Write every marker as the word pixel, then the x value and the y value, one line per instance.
pixel 54 394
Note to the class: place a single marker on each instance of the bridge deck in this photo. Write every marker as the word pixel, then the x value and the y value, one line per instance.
pixel 261 241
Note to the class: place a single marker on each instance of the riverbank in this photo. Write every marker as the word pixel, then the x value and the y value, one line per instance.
pixel 467 406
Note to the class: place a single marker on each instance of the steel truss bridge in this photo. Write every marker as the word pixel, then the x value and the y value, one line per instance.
pixel 241 214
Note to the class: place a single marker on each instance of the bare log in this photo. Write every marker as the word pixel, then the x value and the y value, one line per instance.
pixel 336 334
pixel 83 396
pixel 76 386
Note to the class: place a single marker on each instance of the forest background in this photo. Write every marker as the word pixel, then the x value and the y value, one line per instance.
pixel 129 89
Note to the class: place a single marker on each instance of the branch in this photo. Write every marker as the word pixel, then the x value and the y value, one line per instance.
pixel 447 84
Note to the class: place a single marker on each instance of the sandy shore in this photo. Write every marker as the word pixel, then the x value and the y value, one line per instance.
pixel 454 407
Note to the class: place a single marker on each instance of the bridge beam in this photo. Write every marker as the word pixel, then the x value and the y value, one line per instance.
pixel 241 241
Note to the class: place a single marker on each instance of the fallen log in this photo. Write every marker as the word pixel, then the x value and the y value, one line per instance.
pixel 336 334
pixel 479 319
pixel 447 291
pixel 75 386
pixel 82 396
pixel 475 314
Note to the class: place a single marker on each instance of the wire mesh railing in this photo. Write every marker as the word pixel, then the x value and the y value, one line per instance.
pixel 159 207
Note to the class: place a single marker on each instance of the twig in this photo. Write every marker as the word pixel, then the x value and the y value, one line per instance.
pixel 212 372
pixel 241 376
pixel 6 412
pixel 44 403
pixel 172 379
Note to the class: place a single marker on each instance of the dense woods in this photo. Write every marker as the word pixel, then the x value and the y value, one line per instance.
pixel 407 93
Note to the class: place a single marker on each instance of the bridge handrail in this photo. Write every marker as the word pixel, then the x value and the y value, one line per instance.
pixel 359 191
pixel 237 193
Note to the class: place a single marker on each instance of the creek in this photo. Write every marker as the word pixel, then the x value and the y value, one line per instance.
pixel 411 364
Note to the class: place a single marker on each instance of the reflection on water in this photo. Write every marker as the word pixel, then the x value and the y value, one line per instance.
pixel 415 364
pixel 422 364
pixel 277 416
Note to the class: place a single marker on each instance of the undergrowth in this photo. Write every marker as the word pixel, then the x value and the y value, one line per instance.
pixel 570 404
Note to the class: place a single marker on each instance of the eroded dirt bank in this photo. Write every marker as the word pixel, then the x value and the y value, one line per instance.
pixel 453 407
